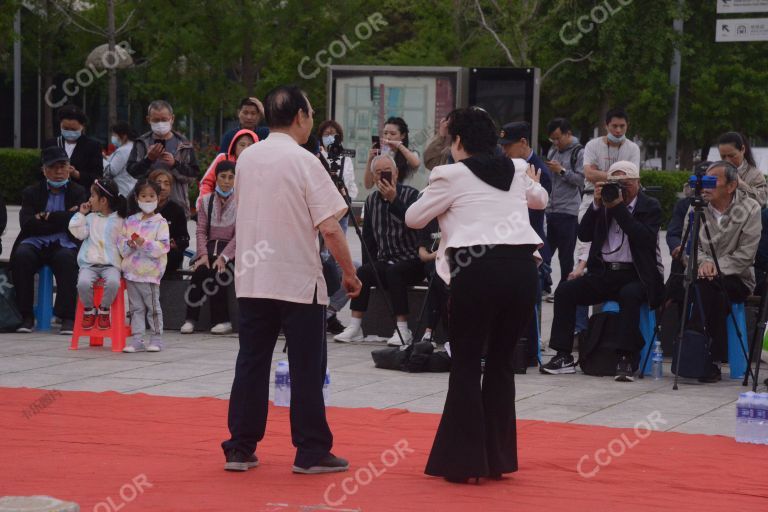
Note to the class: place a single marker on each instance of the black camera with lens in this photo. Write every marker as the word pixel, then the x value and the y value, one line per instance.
pixel 610 191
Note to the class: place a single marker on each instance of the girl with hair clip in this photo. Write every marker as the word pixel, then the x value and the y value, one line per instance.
pixel 144 244
pixel 99 224
pixel 734 148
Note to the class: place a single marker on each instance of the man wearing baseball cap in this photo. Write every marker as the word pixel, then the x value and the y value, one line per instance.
pixel 623 266
pixel 46 208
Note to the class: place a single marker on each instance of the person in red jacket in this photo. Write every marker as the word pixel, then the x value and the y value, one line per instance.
pixel 240 141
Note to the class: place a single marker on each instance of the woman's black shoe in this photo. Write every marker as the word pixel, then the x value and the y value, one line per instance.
pixel 454 480
pixel 333 325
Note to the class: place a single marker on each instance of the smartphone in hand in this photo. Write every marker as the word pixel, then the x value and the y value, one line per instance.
pixel 375 142
pixel 386 176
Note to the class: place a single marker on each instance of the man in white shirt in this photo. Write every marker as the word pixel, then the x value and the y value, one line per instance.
pixel 284 198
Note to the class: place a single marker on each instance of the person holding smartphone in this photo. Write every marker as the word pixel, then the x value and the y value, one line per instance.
pixel 394 143
pixel 394 247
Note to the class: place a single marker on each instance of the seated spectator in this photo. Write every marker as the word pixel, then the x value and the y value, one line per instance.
pixel 622 267
pixel 99 224
pixel 162 144
pixel 116 166
pixel 394 248
pixel 84 153
pixel 46 209
pixel 240 141
pixel 250 115
pixel 215 248
pixel 174 214
pixel 733 219
pixel 734 148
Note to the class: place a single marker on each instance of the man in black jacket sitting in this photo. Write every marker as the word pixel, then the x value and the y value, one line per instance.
pixel 46 208
pixel 623 266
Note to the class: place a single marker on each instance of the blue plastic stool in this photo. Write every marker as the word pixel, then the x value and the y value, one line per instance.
pixel 736 360
pixel 647 327
pixel 44 306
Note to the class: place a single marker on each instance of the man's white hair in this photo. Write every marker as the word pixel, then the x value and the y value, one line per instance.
pixel 383 157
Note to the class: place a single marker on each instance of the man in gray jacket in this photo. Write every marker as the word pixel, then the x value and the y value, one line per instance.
pixel 565 161
pixel 734 224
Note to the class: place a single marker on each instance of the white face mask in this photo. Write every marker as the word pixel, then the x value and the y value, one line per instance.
pixel 161 128
pixel 148 207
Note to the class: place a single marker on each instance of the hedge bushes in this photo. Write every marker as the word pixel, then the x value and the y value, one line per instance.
pixel 18 168
pixel 666 187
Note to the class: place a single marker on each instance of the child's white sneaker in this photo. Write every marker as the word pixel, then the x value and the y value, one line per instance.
pixel 155 345
pixel 135 345
pixel 188 327
pixel 222 328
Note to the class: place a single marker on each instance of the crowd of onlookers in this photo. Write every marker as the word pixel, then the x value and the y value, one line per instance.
pixel 124 216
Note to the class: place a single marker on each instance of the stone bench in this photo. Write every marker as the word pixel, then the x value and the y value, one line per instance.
pixel 379 322
pixel 173 293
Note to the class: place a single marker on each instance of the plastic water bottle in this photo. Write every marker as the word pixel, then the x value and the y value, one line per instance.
pixel 657 360
pixel 282 385
pixel 760 435
pixel 326 385
pixel 742 418
pixel 749 429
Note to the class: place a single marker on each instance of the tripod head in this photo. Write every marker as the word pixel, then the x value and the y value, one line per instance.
pixel 699 181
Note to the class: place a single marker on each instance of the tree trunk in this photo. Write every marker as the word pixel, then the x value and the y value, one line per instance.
pixel 247 57
pixel 112 101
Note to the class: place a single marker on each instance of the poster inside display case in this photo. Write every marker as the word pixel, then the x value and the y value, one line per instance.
pixel 362 98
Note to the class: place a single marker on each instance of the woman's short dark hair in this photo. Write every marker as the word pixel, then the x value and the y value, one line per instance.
pixel 330 123
pixel 225 166
pixel 72 112
pixel 558 122
pixel 476 128
pixel 124 129
pixel 740 142
pixel 282 104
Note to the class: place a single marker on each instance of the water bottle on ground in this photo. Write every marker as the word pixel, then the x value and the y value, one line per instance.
pixel 282 385
pixel 657 360
pixel 761 419
pixel 742 417
pixel 326 385
pixel 749 427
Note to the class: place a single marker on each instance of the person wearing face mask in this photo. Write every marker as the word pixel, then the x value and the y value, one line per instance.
pixel 46 209
pixel 173 213
pixel 239 142
pixel 215 249
pixel 734 148
pixel 84 153
pixel 144 245
pixel 115 167
pixel 162 144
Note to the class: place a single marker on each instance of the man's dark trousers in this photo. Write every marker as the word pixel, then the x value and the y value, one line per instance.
pixel 304 328
pixel 623 286
pixel 561 237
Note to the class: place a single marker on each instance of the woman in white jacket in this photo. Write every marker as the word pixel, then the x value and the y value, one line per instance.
pixel 487 255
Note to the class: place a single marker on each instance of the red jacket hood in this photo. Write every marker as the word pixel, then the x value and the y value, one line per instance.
pixel 231 148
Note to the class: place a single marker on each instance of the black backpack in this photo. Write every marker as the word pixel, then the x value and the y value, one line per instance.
pixel 597 350
pixel 695 355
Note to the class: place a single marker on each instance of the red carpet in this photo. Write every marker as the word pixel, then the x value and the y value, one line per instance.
pixel 109 452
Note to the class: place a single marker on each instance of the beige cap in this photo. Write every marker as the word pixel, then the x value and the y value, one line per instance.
pixel 628 167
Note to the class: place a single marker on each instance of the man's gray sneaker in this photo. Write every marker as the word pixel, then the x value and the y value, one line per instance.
pixel 330 464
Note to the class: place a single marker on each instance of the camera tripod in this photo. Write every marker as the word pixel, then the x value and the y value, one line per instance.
pixel 333 166
pixel 691 272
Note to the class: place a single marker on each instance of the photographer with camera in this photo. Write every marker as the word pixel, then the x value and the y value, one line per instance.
pixel 734 225
pixel 623 226
pixel 342 169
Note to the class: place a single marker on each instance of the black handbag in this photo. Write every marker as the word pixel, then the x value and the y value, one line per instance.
pixel 695 351
pixel 597 351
